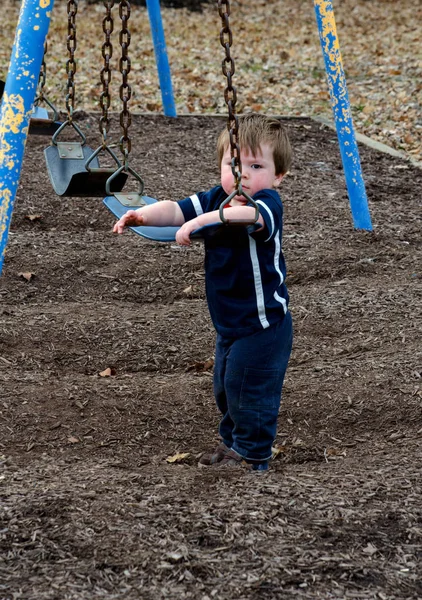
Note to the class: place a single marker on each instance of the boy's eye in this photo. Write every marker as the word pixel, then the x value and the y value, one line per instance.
pixel 256 166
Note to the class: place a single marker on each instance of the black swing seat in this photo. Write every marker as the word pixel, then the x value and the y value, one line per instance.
pixel 69 176
pixel 41 124
pixel 119 206
pixel 2 84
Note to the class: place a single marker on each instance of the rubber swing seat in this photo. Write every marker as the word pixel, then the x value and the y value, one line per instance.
pixel 41 124
pixel 164 234
pixel 69 177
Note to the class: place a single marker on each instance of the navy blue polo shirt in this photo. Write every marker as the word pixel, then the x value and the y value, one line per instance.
pixel 244 272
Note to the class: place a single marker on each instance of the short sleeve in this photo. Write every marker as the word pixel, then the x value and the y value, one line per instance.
pixel 201 203
pixel 271 210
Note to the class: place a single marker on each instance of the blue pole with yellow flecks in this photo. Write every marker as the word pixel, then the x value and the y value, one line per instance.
pixel 17 102
pixel 342 114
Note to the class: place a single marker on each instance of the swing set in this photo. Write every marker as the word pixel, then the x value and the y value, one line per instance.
pixel 74 167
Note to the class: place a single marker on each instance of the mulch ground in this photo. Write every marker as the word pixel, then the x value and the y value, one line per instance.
pixel 90 506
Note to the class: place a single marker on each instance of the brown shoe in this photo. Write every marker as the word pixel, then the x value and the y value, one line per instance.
pixel 215 457
pixel 233 459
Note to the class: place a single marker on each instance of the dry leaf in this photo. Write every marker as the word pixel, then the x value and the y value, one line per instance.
pixel 208 364
pixel 33 217
pixel 177 457
pixel 175 557
pixel 109 372
pixel 368 109
pixel 335 452
pixel 26 275
pixel 73 440
pixel 370 549
pixel 276 450
pixel 201 366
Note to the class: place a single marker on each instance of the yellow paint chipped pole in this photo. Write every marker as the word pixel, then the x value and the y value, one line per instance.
pixel 342 114
pixel 17 101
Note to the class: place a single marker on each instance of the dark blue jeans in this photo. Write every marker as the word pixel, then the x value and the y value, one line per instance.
pixel 248 379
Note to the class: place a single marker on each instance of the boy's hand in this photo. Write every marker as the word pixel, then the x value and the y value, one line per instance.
pixel 130 219
pixel 183 234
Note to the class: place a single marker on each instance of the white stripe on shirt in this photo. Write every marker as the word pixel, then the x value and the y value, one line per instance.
pixel 269 214
pixel 277 268
pixel 277 257
pixel 282 301
pixel 196 205
pixel 258 284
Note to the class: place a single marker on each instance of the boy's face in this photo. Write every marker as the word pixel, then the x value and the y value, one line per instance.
pixel 258 172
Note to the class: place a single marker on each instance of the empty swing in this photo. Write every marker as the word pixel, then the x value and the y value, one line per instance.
pixel 120 203
pixel 73 167
pixel 41 123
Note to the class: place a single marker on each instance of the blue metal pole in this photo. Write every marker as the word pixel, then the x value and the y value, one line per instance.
pixel 18 99
pixel 342 114
pixel 161 58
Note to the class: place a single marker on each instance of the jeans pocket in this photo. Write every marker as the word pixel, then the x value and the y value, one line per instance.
pixel 261 388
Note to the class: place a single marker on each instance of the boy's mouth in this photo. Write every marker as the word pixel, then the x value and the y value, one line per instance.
pixel 245 188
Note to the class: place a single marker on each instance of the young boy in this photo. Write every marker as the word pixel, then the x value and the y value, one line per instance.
pixel 246 292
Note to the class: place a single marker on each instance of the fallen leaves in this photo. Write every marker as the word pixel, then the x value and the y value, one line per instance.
pixel 27 275
pixel 201 366
pixel 33 218
pixel 109 372
pixel 276 75
pixel 370 549
pixel 177 458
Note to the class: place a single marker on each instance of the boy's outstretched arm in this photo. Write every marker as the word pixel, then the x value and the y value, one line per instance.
pixel 233 213
pixel 160 214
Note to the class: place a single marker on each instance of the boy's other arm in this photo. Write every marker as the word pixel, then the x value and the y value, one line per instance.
pixel 160 214
pixel 233 213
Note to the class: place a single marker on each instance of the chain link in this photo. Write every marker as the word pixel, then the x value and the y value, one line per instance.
pixel 42 78
pixel 72 9
pixel 230 94
pixel 125 89
pixel 105 75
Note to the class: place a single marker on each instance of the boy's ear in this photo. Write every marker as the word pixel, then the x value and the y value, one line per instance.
pixel 278 179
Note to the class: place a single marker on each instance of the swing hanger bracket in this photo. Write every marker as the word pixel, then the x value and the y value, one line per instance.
pixel 238 192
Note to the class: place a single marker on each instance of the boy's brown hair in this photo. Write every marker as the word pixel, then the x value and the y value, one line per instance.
pixel 256 129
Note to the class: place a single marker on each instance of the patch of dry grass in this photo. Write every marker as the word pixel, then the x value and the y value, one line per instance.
pixel 279 64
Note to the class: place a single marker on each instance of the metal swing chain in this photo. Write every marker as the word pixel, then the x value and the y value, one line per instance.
pixel 42 78
pixel 40 97
pixel 230 97
pixel 72 9
pixel 230 94
pixel 125 116
pixel 125 89
pixel 105 75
